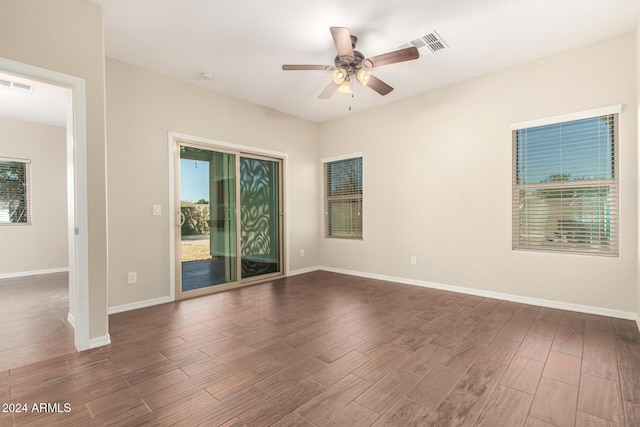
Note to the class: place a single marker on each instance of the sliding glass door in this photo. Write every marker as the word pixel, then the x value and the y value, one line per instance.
pixel 260 216
pixel 208 230
pixel 227 200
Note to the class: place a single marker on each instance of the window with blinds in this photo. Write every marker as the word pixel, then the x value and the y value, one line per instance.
pixel 565 186
pixel 15 192
pixel 343 203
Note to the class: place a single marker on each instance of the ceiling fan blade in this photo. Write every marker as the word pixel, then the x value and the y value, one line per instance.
pixel 379 86
pixel 392 57
pixel 306 67
pixel 329 90
pixel 342 40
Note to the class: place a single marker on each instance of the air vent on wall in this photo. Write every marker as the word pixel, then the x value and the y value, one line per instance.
pixel 432 41
pixel 16 87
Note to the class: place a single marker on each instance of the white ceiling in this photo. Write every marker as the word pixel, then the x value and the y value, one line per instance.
pixel 45 104
pixel 243 44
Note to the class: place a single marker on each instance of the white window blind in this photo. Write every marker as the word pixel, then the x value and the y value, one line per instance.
pixel 15 191
pixel 343 203
pixel 565 186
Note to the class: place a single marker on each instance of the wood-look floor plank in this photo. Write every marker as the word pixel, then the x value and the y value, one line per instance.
pixel 632 413
pixel 555 402
pixel 353 415
pixel 283 403
pixel 463 404
pixel 569 339
pixel 405 412
pixel 628 356
pixel 562 367
pixel 506 407
pixel 534 422
pixel 335 351
pixel 293 420
pixel 386 392
pixel 630 383
pixel 586 420
pixel 230 385
pixel 335 371
pixel 424 359
pixel 178 410
pixel 431 390
pixel 328 403
pixel 599 323
pixel 499 350
pixel 223 411
pixel 523 374
pixel 381 365
pixel 626 331
pixel 600 363
pixel 600 397
pixel 514 331
pixel 287 377
pixel 111 402
pixel 535 347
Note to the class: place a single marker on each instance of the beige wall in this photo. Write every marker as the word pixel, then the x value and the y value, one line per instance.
pixel 143 106
pixel 637 72
pixel 437 181
pixel 67 36
pixel 43 244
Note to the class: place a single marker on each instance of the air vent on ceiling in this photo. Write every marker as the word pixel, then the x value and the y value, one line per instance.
pixel 17 87
pixel 432 41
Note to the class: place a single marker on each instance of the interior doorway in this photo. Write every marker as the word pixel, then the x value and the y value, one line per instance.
pixel 229 218
pixel 76 183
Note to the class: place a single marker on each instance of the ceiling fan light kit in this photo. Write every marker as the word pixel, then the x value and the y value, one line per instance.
pixel 350 63
pixel 363 76
pixel 339 75
pixel 345 87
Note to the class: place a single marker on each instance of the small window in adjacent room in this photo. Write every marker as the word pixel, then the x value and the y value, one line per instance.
pixel 343 198
pixel 15 191
pixel 565 184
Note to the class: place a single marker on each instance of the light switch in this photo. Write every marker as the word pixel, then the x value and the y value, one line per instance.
pixel 157 210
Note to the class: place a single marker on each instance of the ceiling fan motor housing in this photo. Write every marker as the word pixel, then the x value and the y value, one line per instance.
pixel 351 66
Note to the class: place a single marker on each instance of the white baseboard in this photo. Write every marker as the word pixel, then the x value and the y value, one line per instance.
pixel 496 295
pixel 71 320
pixel 303 271
pixel 139 304
pixel 33 273
pixel 100 341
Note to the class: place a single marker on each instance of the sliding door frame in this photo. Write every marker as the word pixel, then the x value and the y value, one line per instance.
pixel 281 216
pixel 175 140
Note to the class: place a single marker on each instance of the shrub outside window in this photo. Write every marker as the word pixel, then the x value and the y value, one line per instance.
pixel 15 191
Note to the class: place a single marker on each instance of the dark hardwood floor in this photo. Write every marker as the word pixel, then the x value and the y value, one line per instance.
pixel 324 349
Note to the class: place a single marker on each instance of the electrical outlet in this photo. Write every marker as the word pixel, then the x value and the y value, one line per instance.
pixel 413 260
pixel 132 278
pixel 301 252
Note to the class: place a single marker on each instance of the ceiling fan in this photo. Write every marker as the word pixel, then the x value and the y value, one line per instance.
pixel 350 64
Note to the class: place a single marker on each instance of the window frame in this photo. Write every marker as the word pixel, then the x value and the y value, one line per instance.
pixel 613 184
pixel 359 197
pixel 28 191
